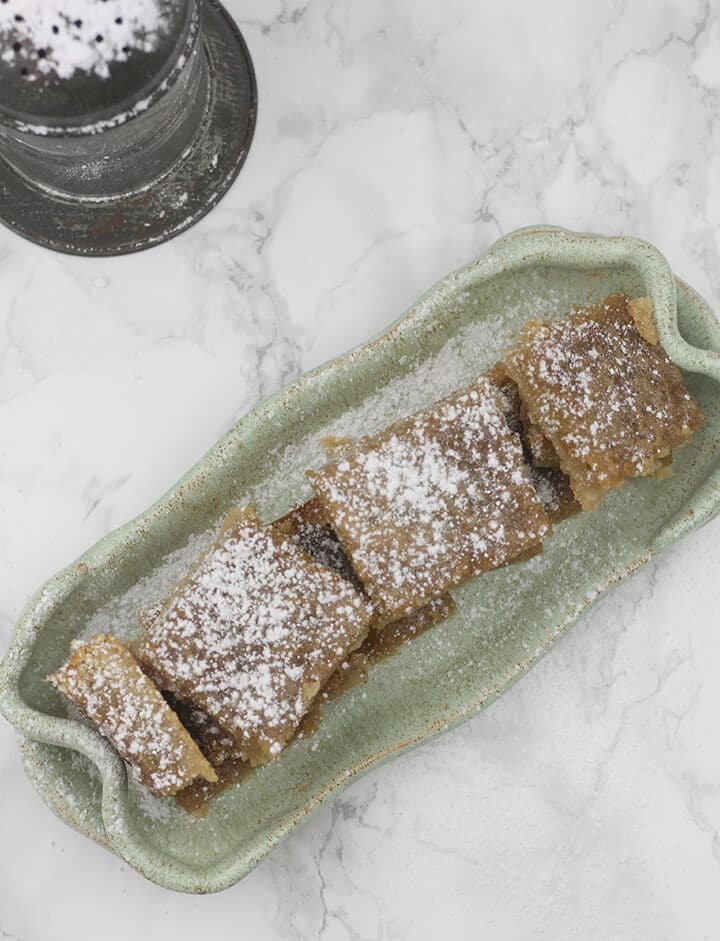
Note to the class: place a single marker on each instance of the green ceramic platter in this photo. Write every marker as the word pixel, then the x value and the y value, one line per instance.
pixel 505 620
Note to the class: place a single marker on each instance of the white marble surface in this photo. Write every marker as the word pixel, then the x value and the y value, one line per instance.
pixel 396 140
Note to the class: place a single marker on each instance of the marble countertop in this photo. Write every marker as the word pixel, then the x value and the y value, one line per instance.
pixel 396 141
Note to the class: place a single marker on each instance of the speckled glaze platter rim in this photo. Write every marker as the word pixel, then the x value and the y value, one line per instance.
pixel 531 247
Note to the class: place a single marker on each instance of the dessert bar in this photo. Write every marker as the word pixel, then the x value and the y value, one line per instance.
pixel 599 387
pixel 252 633
pixel 433 500
pixel 104 682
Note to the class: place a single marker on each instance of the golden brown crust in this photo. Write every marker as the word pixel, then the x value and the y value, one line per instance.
pixel 640 309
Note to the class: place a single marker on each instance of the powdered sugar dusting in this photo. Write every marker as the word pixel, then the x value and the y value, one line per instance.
pixel 123 616
pixel 434 500
pixel 104 682
pixel 62 37
pixel 611 403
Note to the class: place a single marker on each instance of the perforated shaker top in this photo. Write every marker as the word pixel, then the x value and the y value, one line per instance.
pixel 76 60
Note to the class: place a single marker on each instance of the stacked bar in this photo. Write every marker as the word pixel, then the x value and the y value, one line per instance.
pixel 244 644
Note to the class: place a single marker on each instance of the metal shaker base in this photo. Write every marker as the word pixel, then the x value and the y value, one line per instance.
pixel 190 188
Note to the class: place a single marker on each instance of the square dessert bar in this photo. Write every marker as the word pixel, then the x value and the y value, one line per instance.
pixel 600 388
pixel 252 633
pixel 307 528
pixel 433 500
pixel 104 682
